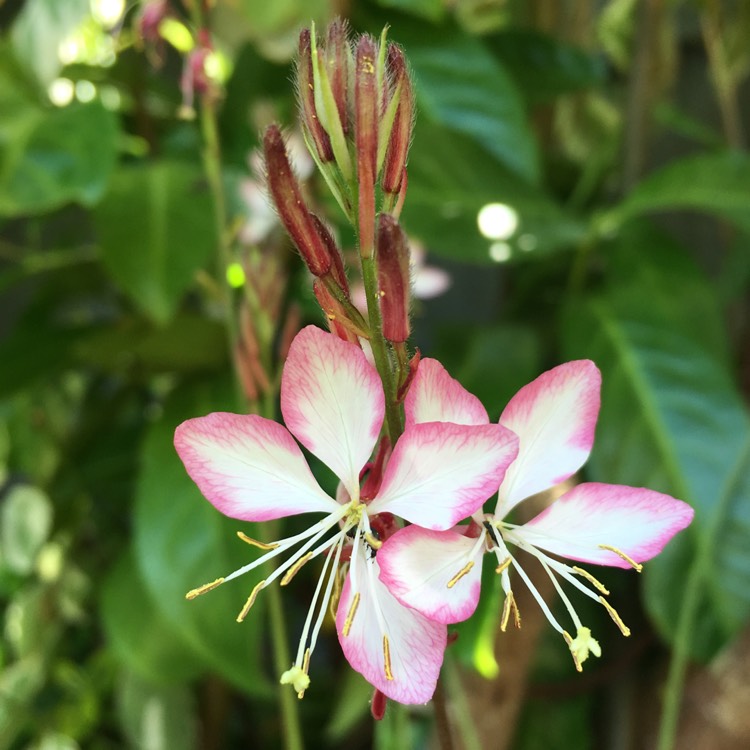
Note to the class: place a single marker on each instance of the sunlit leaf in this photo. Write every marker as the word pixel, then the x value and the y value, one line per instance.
pixel 25 523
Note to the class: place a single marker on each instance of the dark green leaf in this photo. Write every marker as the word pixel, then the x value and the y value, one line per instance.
pixel 716 183
pixel 181 542
pixel 544 67
pixel 156 229
pixel 55 156
pixel 127 613
pixel 432 10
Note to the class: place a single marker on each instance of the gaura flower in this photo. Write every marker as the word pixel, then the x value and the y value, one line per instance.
pixel 252 469
pixel 438 573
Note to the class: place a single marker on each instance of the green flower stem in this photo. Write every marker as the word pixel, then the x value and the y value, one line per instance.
pixel 380 349
pixel 212 165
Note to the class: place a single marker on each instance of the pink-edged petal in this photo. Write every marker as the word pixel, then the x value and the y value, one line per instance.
pixel 434 396
pixel 439 473
pixel 415 644
pixel 332 402
pixel 249 467
pixel 554 417
pixel 636 521
pixel 438 573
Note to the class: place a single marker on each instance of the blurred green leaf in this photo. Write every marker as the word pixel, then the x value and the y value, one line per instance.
pixel 156 229
pixel 19 683
pixel 156 717
pixel 432 10
pixel 51 157
pixel 461 86
pixel 40 28
pixel 181 542
pixel 29 628
pixel 162 657
pixel 544 67
pixel 25 523
pixel 556 725
pixel 672 420
pixel 352 706
pixel 716 183
pixel 451 178
pixel 54 741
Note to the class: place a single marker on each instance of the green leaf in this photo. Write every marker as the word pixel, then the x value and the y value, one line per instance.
pixel 54 156
pixel 156 229
pixel 156 717
pixel 717 183
pixel 161 658
pixel 39 29
pixel 451 178
pixel 461 86
pixel 432 10
pixel 672 420
pixel 181 542
pixel 25 523
pixel 544 67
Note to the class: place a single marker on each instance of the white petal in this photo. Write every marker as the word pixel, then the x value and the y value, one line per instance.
pixel 554 417
pixel 332 402
pixel 249 467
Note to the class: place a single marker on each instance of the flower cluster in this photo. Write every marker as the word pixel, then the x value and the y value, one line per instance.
pixel 395 587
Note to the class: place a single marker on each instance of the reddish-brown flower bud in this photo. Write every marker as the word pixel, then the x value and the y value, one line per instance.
pixel 293 212
pixel 337 266
pixel 393 278
pixel 378 705
pixel 306 92
pixel 366 111
pixel 153 13
pixel 335 313
pixel 337 54
pixel 403 388
pixel 400 135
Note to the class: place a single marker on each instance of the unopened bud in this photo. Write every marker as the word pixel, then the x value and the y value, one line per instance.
pixel 153 13
pixel 378 705
pixel 411 372
pixel 287 197
pixel 337 56
pixel 393 278
pixel 305 87
pixel 337 265
pixel 399 137
pixel 366 111
pixel 335 313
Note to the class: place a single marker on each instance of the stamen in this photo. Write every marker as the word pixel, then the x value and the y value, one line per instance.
pixel 338 584
pixel 509 605
pixel 461 573
pixel 504 565
pixel 593 581
pixel 295 569
pixel 250 601
pixel 203 589
pixel 387 658
pixel 629 560
pixel 374 542
pixel 624 629
pixel 350 614
pixel 306 670
pixel 255 543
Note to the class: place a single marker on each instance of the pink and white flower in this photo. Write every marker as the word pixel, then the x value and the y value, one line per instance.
pixel 438 572
pixel 252 469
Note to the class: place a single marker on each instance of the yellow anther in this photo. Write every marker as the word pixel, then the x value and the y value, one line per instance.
pixel 387 658
pixel 350 614
pixel 250 601
pixel 624 629
pixel 581 646
pixel 504 565
pixel 461 573
pixel 593 581
pixel 294 569
pixel 203 589
pixel 306 661
pixel 254 542
pixel 509 605
pixel 372 541
pixel 629 560
pixel 333 603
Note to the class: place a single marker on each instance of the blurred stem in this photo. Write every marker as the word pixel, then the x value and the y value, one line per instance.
pixel 380 350
pixel 724 79
pixel 212 165
pixel 467 733
pixel 442 720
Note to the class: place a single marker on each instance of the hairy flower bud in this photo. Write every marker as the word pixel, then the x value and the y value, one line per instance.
pixel 399 137
pixel 305 88
pixel 393 278
pixel 287 197
pixel 366 112
pixel 337 56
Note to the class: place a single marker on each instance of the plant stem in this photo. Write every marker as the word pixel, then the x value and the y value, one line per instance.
pixel 380 350
pixel 442 721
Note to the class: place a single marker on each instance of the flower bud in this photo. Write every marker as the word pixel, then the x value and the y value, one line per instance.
pixel 335 313
pixel 287 197
pixel 399 138
pixel 337 56
pixel 393 278
pixel 411 372
pixel 337 266
pixel 366 112
pixel 306 92
pixel 150 18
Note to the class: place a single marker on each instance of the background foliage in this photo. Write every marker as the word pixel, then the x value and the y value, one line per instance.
pixel 615 131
